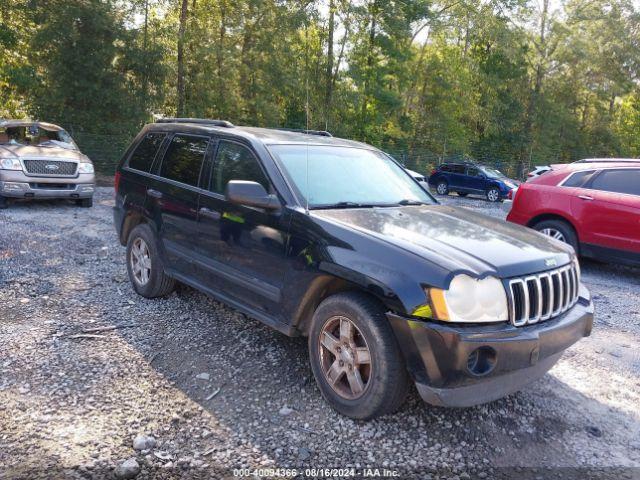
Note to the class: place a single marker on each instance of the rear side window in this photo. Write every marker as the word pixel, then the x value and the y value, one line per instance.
pixel 235 162
pixel 458 169
pixel 183 160
pixel 578 179
pixel 618 181
pixel 145 152
pixel 445 168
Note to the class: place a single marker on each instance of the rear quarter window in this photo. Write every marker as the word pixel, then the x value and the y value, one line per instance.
pixel 183 159
pixel 578 179
pixel 146 151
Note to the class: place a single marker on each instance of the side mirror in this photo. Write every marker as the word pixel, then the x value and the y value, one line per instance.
pixel 250 194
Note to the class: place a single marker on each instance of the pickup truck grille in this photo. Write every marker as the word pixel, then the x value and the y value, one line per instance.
pixel 543 296
pixel 50 168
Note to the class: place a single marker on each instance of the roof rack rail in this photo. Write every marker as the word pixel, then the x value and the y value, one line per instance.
pixel 321 133
pixel 199 121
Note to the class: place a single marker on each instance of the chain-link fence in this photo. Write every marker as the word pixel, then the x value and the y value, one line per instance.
pixel 106 149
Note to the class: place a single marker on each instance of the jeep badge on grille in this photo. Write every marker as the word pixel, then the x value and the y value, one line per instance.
pixel 550 262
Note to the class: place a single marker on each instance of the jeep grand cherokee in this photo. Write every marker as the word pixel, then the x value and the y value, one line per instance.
pixel 332 239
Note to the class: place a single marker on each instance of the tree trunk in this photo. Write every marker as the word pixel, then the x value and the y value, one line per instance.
pixel 180 83
pixel 373 9
pixel 329 71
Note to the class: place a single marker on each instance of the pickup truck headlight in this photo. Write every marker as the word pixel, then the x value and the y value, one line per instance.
pixel 86 167
pixel 469 300
pixel 10 164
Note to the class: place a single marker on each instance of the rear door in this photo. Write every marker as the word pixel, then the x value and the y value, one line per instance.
pixel 457 177
pixel 609 206
pixel 173 198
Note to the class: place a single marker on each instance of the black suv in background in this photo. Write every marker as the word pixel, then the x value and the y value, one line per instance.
pixel 332 239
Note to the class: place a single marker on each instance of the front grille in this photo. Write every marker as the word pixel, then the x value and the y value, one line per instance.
pixel 50 168
pixel 543 296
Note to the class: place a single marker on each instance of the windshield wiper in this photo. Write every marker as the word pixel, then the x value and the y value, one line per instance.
pixel 406 201
pixel 344 205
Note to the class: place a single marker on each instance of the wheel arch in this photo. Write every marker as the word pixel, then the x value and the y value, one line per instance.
pixel 132 219
pixel 553 216
pixel 326 285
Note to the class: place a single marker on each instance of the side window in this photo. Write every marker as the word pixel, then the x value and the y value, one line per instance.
pixel 473 171
pixel 458 169
pixel 618 181
pixel 142 157
pixel 445 168
pixel 183 160
pixel 578 179
pixel 235 162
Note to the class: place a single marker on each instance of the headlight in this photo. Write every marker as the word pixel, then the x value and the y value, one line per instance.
pixel 85 168
pixel 10 164
pixel 469 300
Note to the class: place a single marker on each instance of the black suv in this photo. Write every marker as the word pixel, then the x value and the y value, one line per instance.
pixel 332 239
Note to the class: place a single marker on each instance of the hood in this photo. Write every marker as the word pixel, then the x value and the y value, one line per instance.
pixel 24 151
pixel 457 239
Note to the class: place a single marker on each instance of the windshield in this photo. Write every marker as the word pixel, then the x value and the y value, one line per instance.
pixel 347 177
pixel 35 135
pixel 493 173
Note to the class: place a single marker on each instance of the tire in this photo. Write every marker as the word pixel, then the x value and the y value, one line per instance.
pixel 158 283
pixel 442 188
pixel 85 203
pixel 560 230
pixel 385 379
pixel 493 194
pixel 4 202
pixel 462 194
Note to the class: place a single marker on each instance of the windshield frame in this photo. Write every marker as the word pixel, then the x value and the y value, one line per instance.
pixel 300 198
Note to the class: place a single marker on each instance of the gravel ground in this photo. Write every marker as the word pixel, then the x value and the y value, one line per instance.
pixel 218 391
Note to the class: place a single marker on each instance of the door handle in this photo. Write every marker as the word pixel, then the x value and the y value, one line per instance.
pixel 585 197
pixel 208 213
pixel 154 193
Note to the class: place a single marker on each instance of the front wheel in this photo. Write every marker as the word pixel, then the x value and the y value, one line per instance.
pixel 4 202
pixel 493 194
pixel 442 188
pixel 355 357
pixel 85 202
pixel 144 264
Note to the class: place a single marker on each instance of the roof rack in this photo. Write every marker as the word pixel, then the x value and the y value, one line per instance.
pixel 199 121
pixel 321 133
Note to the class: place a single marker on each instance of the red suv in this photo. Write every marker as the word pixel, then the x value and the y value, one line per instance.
pixel 593 206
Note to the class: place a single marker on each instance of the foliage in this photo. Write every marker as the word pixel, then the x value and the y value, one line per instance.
pixel 510 81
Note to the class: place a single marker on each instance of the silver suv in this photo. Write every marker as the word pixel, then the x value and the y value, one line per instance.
pixel 41 160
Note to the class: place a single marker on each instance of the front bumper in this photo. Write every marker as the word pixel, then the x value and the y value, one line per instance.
pixel 16 184
pixel 438 354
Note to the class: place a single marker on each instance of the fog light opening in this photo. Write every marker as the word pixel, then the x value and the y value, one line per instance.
pixel 481 361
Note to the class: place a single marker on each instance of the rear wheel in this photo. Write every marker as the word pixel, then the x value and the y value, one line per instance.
pixel 144 265
pixel 493 194
pixel 355 358
pixel 462 194
pixel 442 188
pixel 560 230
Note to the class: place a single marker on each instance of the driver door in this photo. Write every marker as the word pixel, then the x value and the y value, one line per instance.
pixel 241 250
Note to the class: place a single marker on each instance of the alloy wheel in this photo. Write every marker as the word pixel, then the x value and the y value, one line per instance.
pixel 140 261
pixel 345 357
pixel 554 233
pixel 493 195
pixel 442 188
